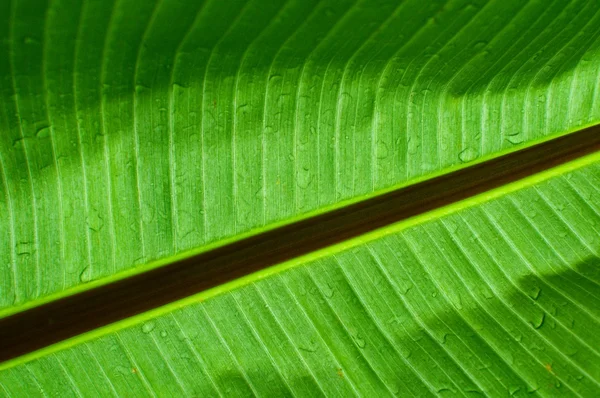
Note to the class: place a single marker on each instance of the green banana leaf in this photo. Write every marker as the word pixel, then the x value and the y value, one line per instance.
pixel 497 295
pixel 136 132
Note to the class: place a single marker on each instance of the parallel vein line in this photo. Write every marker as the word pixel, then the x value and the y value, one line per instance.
pixel 517 288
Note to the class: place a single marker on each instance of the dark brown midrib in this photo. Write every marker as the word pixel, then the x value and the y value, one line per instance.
pixel 67 317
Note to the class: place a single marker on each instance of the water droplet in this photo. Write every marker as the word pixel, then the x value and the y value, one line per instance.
pixel 18 143
pixel 345 98
pixel 328 291
pixel 406 353
pixel 140 88
pixel 163 333
pixel 510 359
pixel 94 221
pixel 304 177
pixel 467 155
pixel 518 337
pixel 310 347
pixel 444 338
pixel 382 149
pixel 148 327
pixel 121 371
pixel 360 342
pixel 534 292
pixel 274 77
pixel 532 214
pixel 538 322
pixel 479 45
pixel 405 288
pixel 24 248
pixel 452 227
pixel 484 366
pixel 457 301
pixel 85 275
pixel 513 390
pixel 487 293
pixel 515 139
pixel 43 132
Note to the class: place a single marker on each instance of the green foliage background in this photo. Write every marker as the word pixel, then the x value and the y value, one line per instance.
pixel 132 131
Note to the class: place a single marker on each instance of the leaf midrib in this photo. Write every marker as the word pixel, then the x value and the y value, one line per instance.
pixel 64 318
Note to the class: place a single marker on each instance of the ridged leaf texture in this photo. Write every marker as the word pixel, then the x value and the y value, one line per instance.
pixel 132 131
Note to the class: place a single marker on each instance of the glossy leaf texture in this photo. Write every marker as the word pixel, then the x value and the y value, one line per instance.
pixel 496 296
pixel 134 130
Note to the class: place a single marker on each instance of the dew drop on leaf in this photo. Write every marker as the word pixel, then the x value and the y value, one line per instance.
pixel 304 178
pixel 94 220
pixel 24 248
pixel 43 132
pixel 451 225
pixel 274 77
pixel 513 390
pixel 479 45
pixel 328 291
pixel 85 275
pixel 534 292
pixel 538 321
pixel 382 150
pixel 140 88
pixel 443 338
pixel 515 139
pixel 148 327
pixel 510 359
pixel 121 371
pixel 406 353
pixel 404 285
pixel 518 337
pixel 360 342
pixel 487 293
pixel 467 155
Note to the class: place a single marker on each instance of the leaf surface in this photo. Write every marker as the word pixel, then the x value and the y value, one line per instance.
pixel 495 295
pixel 133 131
